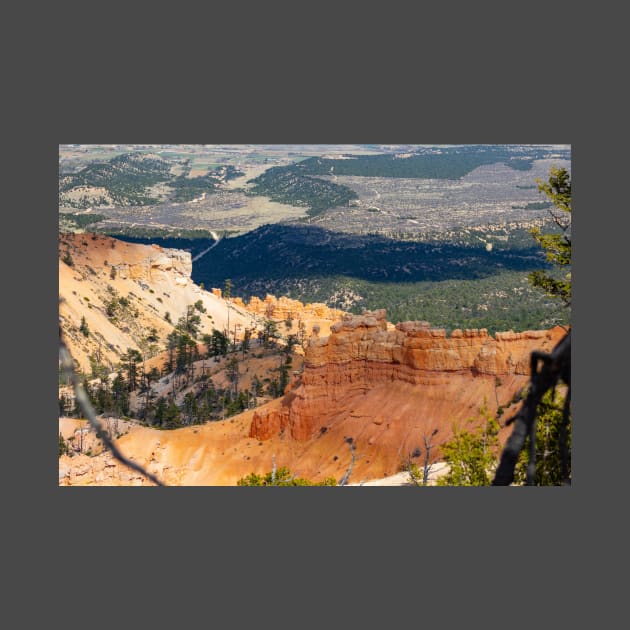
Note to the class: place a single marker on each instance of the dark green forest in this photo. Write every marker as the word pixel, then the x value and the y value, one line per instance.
pixel 297 184
pixel 451 163
pixel 73 220
pixel 127 179
pixel 286 185
pixel 454 284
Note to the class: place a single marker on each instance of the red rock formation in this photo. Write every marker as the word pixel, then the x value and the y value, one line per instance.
pixel 413 372
pixel 387 389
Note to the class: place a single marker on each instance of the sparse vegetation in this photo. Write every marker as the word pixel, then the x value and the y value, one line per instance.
pixel 462 278
pixel 548 460
pixel 84 328
pixel 281 477
pixel 69 221
pixel 472 455
pixel 125 179
pixel 64 447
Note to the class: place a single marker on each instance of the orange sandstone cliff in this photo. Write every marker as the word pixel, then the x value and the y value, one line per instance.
pixel 386 388
pixel 389 388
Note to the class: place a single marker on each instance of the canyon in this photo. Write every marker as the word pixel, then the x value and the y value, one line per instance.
pixel 386 387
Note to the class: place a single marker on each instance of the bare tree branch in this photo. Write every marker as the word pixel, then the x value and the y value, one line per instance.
pixel 427 454
pixel 555 366
pixel 557 219
pixel 344 479
pixel 67 365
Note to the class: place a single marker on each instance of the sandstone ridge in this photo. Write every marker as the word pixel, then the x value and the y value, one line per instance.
pixel 407 367
pixel 418 346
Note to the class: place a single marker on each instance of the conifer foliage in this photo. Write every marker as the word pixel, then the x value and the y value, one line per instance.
pixel 557 245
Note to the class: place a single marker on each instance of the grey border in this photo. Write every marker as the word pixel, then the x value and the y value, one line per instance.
pixel 442 77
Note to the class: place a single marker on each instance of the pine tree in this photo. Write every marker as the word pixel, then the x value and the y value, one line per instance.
pixel 548 460
pixel 120 394
pixel 160 411
pixel 219 343
pixel 557 246
pixel 472 455
pixel 189 323
pixel 130 360
pixel 172 416
pixel 233 373
pixel 83 328
pixel 172 340
pixel 281 477
pixel 247 334
pixel 191 408
pixel 64 449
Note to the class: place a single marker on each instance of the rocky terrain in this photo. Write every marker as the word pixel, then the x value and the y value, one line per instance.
pixel 389 388
pixel 385 387
pixel 96 271
pixel 304 318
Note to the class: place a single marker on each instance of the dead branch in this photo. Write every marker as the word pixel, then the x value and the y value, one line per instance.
pixel 557 219
pixel 344 479
pixel 67 365
pixel 555 367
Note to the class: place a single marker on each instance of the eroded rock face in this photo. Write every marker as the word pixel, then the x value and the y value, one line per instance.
pixel 173 263
pixel 362 354
pixel 284 308
pixel 417 346
pixel 155 282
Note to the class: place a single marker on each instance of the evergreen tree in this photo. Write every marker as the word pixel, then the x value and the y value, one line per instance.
pixel 130 361
pixel 247 334
pixel 120 394
pixel 233 373
pixel 472 455
pixel 189 323
pixel 104 400
pixel 281 477
pixel 153 336
pixel 207 340
pixel 172 416
pixel 292 341
pixel 284 377
pixel 220 343
pixel 191 408
pixel 78 412
pixel 172 340
pixel 64 449
pixel 160 411
pixel 83 328
pixel 151 376
pixel 269 332
pixel 548 461
pixel 557 246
